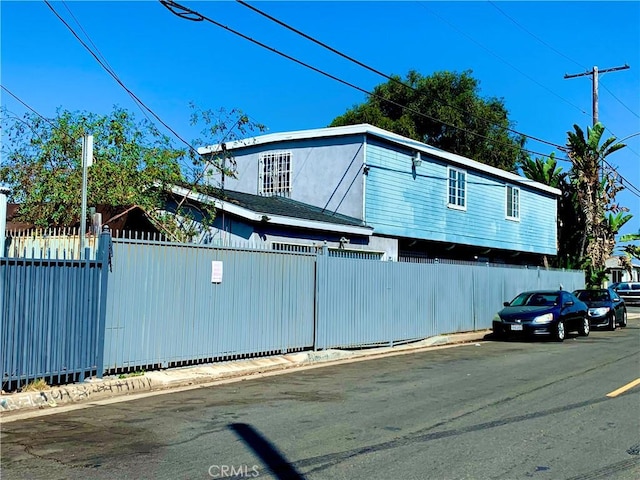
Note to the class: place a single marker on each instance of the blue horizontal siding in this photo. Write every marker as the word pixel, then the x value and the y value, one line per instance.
pixel 409 204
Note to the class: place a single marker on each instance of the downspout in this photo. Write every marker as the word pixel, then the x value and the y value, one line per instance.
pixel 364 178
pixel 4 191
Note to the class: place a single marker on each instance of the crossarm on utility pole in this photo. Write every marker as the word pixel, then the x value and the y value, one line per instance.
pixel 594 74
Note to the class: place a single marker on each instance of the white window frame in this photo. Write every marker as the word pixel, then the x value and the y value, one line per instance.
pixel 512 193
pixel 460 194
pixel 275 173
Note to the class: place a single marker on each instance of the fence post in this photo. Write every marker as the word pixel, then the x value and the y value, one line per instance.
pixel 104 257
pixel 4 191
pixel 322 255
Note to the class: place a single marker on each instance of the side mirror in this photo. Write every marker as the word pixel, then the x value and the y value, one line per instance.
pixel 505 304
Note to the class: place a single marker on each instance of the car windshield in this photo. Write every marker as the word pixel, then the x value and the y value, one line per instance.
pixel 593 295
pixel 535 299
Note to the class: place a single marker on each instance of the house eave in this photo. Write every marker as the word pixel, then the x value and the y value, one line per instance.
pixel 367 129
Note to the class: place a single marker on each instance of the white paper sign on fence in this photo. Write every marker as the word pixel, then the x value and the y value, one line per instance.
pixel 216 271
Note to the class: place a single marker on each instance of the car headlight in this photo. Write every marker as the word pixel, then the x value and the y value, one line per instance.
pixel 546 318
pixel 599 311
pixel 496 318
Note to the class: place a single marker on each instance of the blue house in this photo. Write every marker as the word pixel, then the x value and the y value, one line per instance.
pixel 420 201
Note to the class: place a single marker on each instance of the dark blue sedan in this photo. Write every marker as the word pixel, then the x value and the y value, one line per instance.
pixel 543 312
pixel 606 308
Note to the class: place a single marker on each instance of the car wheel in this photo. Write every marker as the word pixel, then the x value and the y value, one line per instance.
pixel 623 323
pixel 560 333
pixel 612 321
pixel 584 328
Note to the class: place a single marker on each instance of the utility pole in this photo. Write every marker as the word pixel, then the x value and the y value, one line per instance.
pixel 594 77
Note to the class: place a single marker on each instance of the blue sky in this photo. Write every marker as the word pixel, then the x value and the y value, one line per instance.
pixel 519 51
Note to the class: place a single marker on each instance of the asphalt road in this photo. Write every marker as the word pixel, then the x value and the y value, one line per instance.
pixel 493 410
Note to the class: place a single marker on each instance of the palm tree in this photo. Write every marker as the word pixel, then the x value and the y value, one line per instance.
pixel 596 185
pixel 544 171
pixel 631 250
pixel 570 222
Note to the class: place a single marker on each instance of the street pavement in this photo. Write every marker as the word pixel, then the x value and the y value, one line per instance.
pixel 518 409
pixel 23 404
pixel 92 390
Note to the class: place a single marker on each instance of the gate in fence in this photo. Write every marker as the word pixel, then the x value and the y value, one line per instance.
pixel 172 304
pixel 52 317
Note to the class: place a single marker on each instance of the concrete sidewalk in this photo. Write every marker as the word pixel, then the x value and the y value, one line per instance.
pixel 108 387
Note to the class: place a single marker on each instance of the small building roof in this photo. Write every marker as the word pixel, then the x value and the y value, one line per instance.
pixel 367 129
pixel 275 210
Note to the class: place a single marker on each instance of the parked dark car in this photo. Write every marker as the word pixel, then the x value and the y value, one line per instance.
pixel 605 307
pixel 543 312
pixel 629 292
pixel 614 285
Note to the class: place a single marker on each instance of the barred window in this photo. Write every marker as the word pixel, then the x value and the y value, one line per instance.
pixel 457 189
pixel 513 203
pixel 275 173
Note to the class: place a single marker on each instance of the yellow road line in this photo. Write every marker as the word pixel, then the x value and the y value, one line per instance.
pixel 623 389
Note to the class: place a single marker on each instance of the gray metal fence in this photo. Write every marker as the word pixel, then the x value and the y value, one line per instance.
pixel 164 307
pixel 171 304
pixel 361 303
pixel 52 318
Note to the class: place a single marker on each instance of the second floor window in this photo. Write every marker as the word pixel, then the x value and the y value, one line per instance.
pixel 275 173
pixel 457 189
pixel 513 203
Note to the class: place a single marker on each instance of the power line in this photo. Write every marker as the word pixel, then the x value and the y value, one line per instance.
pixel 199 17
pixel 117 79
pixel 27 106
pixel 110 69
pixel 398 82
pixel 594 73
pixel 619 101
pixel 594 77
pixel 550 47
pixel 137 100
pixel 106 65
pixel 198 175
pixel 559 53
pixel 192 15
pixel 503 60
pixel 533 35
pixel 633 189
pixel 88 37
pixel 378 72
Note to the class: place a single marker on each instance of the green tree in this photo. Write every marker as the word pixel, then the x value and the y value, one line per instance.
pixel 133 164
pixel 570 222
pixel 444 110
pixel 596 185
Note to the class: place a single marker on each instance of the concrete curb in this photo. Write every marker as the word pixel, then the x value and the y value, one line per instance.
pixel 100 389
